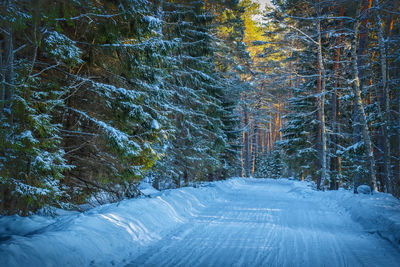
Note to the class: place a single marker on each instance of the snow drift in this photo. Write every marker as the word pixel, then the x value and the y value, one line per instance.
pixel 106 235
pixel 378 213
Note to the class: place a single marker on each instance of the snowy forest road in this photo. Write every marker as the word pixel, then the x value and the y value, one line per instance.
pixel 269 223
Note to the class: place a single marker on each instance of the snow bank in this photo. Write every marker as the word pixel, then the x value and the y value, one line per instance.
pixel 106 235
pixel 378 213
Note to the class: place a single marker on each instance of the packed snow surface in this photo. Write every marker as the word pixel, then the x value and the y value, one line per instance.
pixel 239 222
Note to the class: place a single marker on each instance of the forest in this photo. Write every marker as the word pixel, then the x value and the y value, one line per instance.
pixel 98 95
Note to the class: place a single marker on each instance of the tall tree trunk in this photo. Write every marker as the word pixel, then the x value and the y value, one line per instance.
pixel 356 139
pixel 246 143
pixel 385 100
pixel 362 43
pixel 359 105
pixel 270 140
pixel 254 146
pixel 321 104
pixel 336 162
pixel 396 99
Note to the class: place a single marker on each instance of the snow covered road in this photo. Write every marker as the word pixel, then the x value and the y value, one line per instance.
pixel 237 222
pixel 270 223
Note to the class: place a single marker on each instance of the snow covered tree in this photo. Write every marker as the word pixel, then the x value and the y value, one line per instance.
pixel 32 161
pixel 96 95
pixel 195 148
pixel 356 121
pixel 114 115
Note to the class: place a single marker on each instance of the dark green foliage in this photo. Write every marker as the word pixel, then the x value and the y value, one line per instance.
pixel 269 165
pixel 299 135
pixel 202 108
pixel 98 93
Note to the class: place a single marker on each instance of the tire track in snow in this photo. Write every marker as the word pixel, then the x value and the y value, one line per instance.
pixel 261 224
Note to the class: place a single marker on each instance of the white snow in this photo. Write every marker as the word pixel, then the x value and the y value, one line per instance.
pixel 155 125
pixel 379 213
pixel 363 189
pixel 239 222
pixel 60 46
pixel 147 189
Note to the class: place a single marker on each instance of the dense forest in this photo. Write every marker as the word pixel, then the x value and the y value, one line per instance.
pixel 99 95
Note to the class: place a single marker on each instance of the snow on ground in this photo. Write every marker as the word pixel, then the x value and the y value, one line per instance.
pixel 239 222
pixel 147 189
pixel 378 213
pixel 105 235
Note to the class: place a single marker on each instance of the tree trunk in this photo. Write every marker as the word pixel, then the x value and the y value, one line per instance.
pixel 246 143
pixel 336 162
pixel 385 100
pixel 254 146
pixel 321 104
pixel 396 99
pixel 270 140
pixel 359 105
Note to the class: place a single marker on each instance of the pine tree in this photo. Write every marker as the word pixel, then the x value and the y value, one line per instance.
pixel 32 161
pixel 114 122
pixel 194 150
